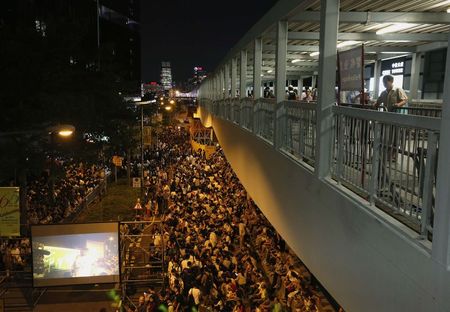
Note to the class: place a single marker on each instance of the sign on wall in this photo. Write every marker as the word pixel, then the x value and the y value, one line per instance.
pixel 9 211
pixel 351 69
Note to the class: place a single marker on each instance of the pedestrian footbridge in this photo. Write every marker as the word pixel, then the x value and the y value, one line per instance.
pixel 360 194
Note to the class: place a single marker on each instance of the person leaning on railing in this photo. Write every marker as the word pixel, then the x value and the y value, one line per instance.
pixel 392 98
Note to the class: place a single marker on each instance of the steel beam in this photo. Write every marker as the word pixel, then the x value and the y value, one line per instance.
pixel 233 77
pixel 329 21
pixel 415 76
pixel 366 36
pixel 280 61
pixel 378 17
pixel 441 228
pixel 257 64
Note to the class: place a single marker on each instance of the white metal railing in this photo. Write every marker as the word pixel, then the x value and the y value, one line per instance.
pixel 246 113
pixel 263 118
pixel 296 124
pixel 389 159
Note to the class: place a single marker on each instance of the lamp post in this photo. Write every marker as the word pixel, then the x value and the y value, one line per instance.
pixel 141 105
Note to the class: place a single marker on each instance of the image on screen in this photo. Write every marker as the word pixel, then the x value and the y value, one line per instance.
pixel 74 256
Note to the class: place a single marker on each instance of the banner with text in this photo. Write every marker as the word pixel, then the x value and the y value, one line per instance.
pixel 9 211
pixel 351 69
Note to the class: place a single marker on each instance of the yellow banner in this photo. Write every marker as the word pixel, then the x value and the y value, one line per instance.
pixel 9 211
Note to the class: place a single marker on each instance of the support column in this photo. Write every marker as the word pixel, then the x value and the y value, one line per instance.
pixel 329 25
pixel 441 228
pixel 376 78
pixel 226 81
pixel 233 77
pixel 243 75
pixel 415 76
pixel 300 87
pixel 257 64
pixel 280 61
pixel 313 81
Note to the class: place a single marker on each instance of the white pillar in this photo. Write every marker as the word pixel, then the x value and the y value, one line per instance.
pixel 313 81
pixel 257 64
pixel 300 87
pixel 441 226
pixel 415 76
pixel 233 77
pixel 376 78
pixel 243 75
pixel 280 61
pixel 329 25
pixel 226 80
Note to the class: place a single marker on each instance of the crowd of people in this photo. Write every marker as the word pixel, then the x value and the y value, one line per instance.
pixel 51 202
pixel 222 254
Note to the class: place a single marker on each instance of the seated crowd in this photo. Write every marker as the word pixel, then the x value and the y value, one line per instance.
pixel 77 181
pixel 222 253
pixel 69 190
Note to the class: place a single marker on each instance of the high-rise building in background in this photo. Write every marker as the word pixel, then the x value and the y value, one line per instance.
pixel 95 35
pixel 199 73
pixel 166 75
pixel 120 42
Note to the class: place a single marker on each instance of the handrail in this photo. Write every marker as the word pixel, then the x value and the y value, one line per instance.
pixel 411 121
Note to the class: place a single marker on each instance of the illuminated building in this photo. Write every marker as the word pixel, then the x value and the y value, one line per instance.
pixel 166 75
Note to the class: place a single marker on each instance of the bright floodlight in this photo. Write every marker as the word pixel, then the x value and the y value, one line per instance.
pixel 62 130
pixel 65 133
pixel 346 43
pixel 395 27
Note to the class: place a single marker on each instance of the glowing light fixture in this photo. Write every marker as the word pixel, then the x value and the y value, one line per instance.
pixel 296 61
pixel 395 27
pixel 269 71
pixel 65 133
pixel 346 43
pixel 172 102
pixel 168 108
pixel 314 53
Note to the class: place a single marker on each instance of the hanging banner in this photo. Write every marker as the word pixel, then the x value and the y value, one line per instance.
pixel 9 211
pixel 147 135
pixel 351 68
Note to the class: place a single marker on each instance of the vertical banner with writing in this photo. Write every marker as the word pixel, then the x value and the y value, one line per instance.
pixel 147 135
pixel 9 211
pixel 351 68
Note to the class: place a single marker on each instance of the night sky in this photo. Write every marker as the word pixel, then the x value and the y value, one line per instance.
pixel 193 33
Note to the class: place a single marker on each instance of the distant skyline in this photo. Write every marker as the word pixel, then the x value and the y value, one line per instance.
pixel 193 33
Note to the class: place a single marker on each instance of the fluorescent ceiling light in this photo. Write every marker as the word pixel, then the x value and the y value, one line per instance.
pixel 269 71
pixel 296 61
pixel 395 27
pixel 448 10
pixel 346 43
pixel 314 53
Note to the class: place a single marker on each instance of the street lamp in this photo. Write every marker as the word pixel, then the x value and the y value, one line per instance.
pixel 141 104
pixel 62 130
